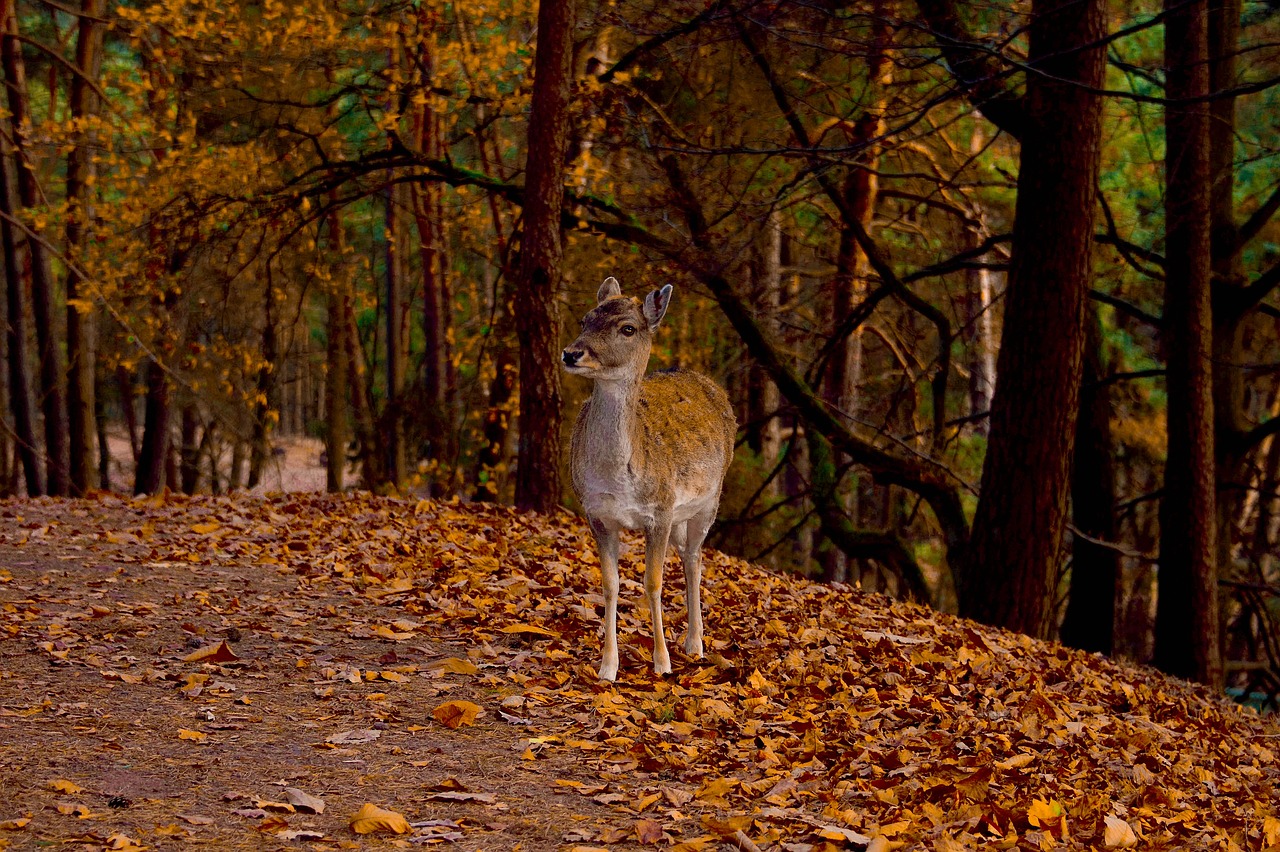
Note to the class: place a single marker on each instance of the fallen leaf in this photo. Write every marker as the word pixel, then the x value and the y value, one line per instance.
pixel 68 787
pixel 455 714
pixel 218 653
pixel 196 819
pixel 649 832
pixel 193 736
pixel 460 796
pixel 123 843
pixel 304 802
pixel 371 818
pixel 454 665
pixel 205 528
pixel 15 824
pixel 1118 834
pixel 301 834
pixel 531 629
pixel 364 735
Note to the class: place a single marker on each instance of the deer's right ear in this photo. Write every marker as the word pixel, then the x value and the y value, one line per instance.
pixel 608 289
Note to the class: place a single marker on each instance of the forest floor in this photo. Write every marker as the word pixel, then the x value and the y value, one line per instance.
pixel 258 672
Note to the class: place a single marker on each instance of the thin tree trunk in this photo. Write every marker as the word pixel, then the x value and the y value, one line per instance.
pixel 1187 621
pixel 53 396
pixel 1008 576
pixel 538 278
pixel 80 308
pixel 397 310
pixel 361 404
pixel 336 389
pixel 260 443
pixel 1095 569
pixel 149 478
pixel 189 451
pixel 21 397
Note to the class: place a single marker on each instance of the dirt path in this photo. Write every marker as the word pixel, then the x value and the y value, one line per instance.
pixel 202 671
pixel 95 694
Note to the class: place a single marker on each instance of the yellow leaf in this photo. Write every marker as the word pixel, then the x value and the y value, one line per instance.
pixel 453 664
pixel 371 818
pixel 532 629
pixel 123 843
pixel 713 792
pixel 1048 815
pixel 68 787
pixel 455 714
pixel 194 736
pixel 206 528
pixel 387 633
pixel 1118 834
pixel 1271 830
pixel 15 824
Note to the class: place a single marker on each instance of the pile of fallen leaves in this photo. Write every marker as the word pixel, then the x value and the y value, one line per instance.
pixel 299 630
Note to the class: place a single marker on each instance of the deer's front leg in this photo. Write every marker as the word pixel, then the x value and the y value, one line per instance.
pixel 607 545
pixel 655 553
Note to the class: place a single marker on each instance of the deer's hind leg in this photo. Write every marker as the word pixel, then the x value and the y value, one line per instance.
pixel 690 549
pixel 655 553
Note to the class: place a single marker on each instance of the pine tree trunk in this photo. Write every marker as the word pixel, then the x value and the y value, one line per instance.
pixel 1187 629
pixel 538 277
pixel 80 308
pixel 53 395
pixel 1007 577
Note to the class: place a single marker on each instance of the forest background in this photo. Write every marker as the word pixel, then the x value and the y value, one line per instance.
pixel 991 285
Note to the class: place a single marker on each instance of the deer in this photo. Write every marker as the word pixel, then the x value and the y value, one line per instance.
pixel 649 452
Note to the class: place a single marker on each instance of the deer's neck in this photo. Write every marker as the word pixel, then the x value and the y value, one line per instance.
pixel 613 422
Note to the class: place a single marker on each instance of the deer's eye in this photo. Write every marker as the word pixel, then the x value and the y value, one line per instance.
pixel 628 330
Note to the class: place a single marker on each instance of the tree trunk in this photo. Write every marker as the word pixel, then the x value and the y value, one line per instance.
pixel 336 388
pixel 1095 569
pixel 189 450
pixel 149 477
pixel 1187 629
pixel 53 396
pixel 1230 350
pixel 361 404
pixel 263 408
pixel 397 327
pixel 21 397
pixel 80 308
pixel 537 282
pixel 1007 578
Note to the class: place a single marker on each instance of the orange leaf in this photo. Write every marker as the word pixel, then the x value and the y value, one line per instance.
pixel 455 714
pixel 62 786
pixel 371 818
pixel 194 736
pixel 219 653
pixel 649 832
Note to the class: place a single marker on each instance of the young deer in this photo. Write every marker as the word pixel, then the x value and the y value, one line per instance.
pixel 648 453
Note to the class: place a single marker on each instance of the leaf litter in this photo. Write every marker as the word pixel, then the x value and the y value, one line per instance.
pixel 352 671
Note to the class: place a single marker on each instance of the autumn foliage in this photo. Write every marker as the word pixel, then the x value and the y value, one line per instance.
pixel 329 668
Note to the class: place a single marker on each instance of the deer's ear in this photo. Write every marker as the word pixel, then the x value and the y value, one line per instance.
pixel 655 306
pixel 608 289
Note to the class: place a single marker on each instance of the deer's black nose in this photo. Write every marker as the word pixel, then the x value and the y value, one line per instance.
pixel 570 357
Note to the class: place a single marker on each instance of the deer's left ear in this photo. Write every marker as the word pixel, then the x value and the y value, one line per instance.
pixel 608 290
pixel 655 306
